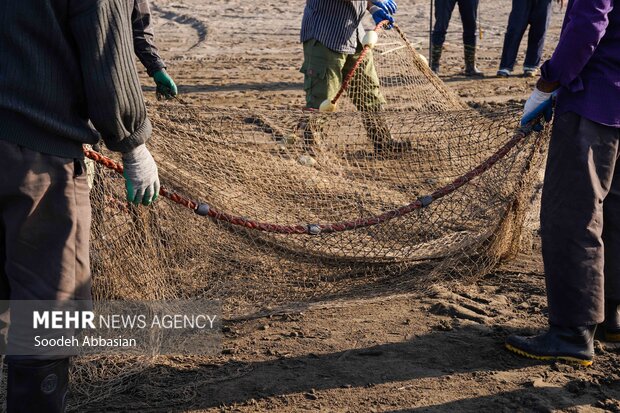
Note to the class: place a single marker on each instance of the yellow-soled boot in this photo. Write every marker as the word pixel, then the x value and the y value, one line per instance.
pixel 572 344
pixel 611 326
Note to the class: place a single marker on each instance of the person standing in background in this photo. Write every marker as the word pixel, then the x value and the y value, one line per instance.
pixel 332 36
pixel 469 17
pixel 536 14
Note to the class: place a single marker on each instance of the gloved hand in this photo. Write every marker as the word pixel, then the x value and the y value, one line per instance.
pixel 166 88
pixel 141 178
pixel 388 6
pixel 538 103
pixel 379 15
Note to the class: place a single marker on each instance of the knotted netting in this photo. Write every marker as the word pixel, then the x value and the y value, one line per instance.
pixel 392 192
pixel 304 205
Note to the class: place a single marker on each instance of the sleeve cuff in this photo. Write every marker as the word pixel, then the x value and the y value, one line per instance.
pixel 139 137
pixel 155 67
pixel 548 74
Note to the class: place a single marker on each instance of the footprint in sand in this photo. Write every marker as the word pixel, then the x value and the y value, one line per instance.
pixel 468 306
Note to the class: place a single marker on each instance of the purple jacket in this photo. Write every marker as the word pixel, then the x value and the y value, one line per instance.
pixel 586 61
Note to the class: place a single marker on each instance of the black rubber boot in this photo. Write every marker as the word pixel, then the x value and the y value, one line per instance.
pixel 381 137
pixel 435 58
pixel 611 326
pixel 470 62
pixel 573 344
pixel 37 386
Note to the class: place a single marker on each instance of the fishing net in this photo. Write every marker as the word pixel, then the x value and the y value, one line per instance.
pixel 275 210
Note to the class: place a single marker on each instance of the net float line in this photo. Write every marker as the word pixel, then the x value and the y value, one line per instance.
pixel 204 209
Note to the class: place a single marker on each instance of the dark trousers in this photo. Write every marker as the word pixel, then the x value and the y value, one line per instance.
pixel 580 220
pixel 44 256
pixel 536 14
pixel 44 229
pixel 443 14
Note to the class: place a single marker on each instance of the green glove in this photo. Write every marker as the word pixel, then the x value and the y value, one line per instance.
pixel 166 88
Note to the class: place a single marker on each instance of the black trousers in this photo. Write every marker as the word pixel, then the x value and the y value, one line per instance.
pixel 443 14
pixel 580 220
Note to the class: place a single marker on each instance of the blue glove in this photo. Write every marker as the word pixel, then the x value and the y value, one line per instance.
pixel 379 15
pixel 539 103
pixel 388 6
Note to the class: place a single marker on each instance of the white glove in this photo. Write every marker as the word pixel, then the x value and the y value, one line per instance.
pixel 141 178
pixel 538 103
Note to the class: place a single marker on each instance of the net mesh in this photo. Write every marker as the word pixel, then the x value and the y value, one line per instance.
pixel 326 195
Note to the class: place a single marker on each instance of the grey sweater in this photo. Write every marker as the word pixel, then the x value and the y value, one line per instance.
pixel 66 65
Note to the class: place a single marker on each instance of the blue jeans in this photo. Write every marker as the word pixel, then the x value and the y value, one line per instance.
pixel 536 14
pixel 443 13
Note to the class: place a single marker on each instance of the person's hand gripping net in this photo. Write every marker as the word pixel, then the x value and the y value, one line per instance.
pixel 166 88
pixel 540 104
pixel 382 10
pixel 388 6
pixel 141 176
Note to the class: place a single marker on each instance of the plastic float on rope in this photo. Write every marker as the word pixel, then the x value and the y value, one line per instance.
pixel 370 39
pixel 426 200
pixel 203 210
pixel 327 106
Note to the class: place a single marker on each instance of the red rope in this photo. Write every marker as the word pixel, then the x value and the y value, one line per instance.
pixel 115 166
pixel 315 229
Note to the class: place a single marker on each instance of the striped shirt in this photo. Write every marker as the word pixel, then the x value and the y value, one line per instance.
pixel 337 24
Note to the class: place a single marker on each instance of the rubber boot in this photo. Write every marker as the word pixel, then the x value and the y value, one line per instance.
pixel 379 134
pixel 611 326
pixel 435 57
pixel 573 344
pixel 470 62
pixel 37 386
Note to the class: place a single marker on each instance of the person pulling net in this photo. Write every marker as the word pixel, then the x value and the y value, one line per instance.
pixel 334 43
pixel 264 233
